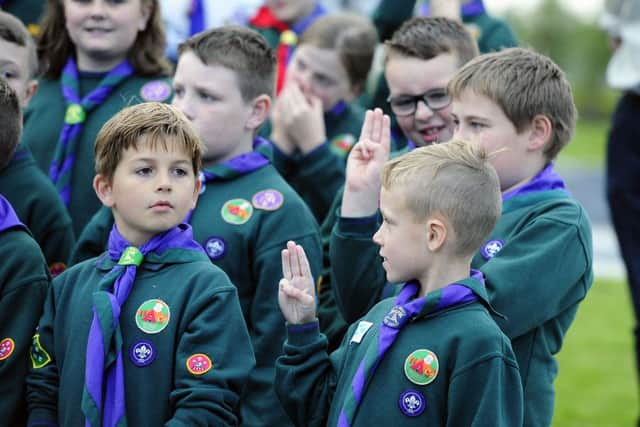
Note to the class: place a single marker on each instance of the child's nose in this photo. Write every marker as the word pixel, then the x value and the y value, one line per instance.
pixel 422 110
pixel 164 181
pixel 98 8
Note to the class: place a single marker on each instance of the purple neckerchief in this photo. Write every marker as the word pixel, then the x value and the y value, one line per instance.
pixel 407 307
pixel 8 217
pixel 239 165
pixel 303 23
pixel 545 180
pixel 337 109
pixel 196 17
pixel 472 8
pixel 104 404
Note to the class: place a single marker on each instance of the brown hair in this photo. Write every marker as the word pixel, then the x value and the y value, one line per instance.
pixel 524 84
pixel 13 31
pixel 156 122
pixel 354 38
pixel 454 179
pixel 10 122
pixel 146 55
pixel 427 37
pixel 241 50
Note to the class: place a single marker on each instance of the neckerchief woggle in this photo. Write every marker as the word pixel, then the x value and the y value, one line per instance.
pixel 103 398
pixel 8 217
pixel 76 113
pixel 467 10
pixel 265 19
pixel 546 179
pixel 239 165
pixel 406 308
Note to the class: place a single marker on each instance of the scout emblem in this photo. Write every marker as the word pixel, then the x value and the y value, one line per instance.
pixel 361 330
pixel 153 316
pixel 199 364
pixel 215 247
pixel 421 367
pixel 269 200
pixel 142 353
pixel 395 318
pixel 412 403
pixel 6 348
pixel 491 248
pixel 236 211
pixel 75 114
pixel 39 356
pixel 57 268
pixel 341 144
pixel 156 90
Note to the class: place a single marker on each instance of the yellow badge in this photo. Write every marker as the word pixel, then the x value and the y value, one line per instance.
pixel 39 356
pixel 199 364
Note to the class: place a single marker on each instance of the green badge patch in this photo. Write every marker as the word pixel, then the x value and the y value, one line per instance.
pixel 39 356
pixel 341 144
pixel 153 316
pixel 237 211
pixel 421 367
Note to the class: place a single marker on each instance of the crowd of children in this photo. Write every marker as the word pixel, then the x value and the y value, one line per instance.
pixel 231 240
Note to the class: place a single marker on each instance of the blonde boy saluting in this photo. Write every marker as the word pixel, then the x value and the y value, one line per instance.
pixel 142 334
pixel 432 355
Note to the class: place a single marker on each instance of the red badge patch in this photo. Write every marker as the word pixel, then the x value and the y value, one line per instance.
pixel 6 348
pixel 199 364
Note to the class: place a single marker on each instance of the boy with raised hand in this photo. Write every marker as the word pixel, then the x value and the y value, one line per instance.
pixel 246 212
pixel 419 60
pixel 142 334
pixel 538 259
pixel 24 185
pixel 432 355
pixel 23 278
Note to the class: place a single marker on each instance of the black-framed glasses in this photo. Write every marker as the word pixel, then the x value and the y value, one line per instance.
pixel 405 105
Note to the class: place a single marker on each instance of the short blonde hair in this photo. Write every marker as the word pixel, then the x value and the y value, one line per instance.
pixel 156 122
pixel 524 84
pixel 454 179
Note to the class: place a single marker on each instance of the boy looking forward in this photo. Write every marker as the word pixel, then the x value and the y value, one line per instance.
pixel 438 204
pixel 141 335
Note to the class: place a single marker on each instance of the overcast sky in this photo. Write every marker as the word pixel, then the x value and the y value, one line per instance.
pixel 586 8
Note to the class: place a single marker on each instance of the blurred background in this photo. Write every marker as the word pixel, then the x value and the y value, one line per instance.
pixel 596 384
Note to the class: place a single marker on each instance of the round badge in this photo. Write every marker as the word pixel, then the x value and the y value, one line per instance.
pixel 157 90
pixel 268 200
pixel 236 211
pixel 142 353
pixel 412 403
pixel 199 364
pixel 215 247
pixel 395 317
pixel 491 248
pixel 153 316
pixel 6 348
pixel 421 367
pixel 342 144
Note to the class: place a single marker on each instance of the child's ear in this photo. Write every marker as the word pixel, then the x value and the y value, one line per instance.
pixel 436 233
pixel 539 132
pixel 260 107
pixel 32 88
pixel 103 189
pixel 196 193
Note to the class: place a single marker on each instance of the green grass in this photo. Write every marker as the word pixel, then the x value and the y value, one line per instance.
pixel 588 146
pixel 596 385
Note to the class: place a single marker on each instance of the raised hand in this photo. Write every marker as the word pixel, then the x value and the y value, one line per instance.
pixel 303 118
pixel 364 164
pixel 296 292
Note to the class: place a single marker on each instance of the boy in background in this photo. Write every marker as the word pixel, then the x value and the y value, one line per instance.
pixel 433 355
pixel 142 334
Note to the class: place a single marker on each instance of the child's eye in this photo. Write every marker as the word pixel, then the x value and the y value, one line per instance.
pixel 178 91
pixel 206 97
pixel 324 81
pixel 476 125
pixel 146 171
pixel 180 172
pixel 7 74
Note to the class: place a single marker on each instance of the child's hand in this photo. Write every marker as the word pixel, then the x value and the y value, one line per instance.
pixel 303 118
pixel 296 293
pixel 364 165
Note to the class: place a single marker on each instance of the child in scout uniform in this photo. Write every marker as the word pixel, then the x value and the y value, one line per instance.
pixel 23 278
pixel 281 22
pixel 98 57
pixel 149 333
pixel 432 355
pixel 419 60
pixel 314 121
pixel 246 211
pixel 22 183
pixel 519 102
